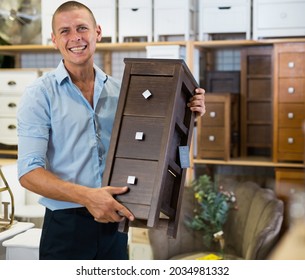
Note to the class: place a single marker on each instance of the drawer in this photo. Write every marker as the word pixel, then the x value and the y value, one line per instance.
pixel 225 19
pixel 291 115
pixel 291 90
pixel 281 15
pixel 170 4
pixel 172 21
pixel 9 105
pixel 291 140
pixel 8 128
pixel 259 112
pixel 140 138
pixel 292 64
pixel 135 4
pixel 214 115
pixel 287 180
pixel 140 189
pixel 157 104
pixel 223 3
pixel 16 80
pixel 212 138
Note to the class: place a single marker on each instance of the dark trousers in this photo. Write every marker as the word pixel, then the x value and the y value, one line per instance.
pixel 72 234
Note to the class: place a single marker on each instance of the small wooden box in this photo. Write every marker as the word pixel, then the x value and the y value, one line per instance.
pixel 150 139
pixel 218 129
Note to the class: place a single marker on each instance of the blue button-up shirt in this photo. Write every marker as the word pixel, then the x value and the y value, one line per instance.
pixel 60 131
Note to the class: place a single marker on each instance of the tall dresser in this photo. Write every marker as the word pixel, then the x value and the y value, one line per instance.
pixel 149 149
pixel 289 115
pixel 289 102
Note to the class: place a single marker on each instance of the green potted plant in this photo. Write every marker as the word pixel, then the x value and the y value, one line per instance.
pixel 211 211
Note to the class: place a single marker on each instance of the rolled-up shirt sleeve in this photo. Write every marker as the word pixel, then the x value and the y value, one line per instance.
pixel 33 130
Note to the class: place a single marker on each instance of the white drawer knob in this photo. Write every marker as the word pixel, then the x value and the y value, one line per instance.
pixel 291 90
pixel 146 94
pixel 290 115
pixel 139 136
pixel 211 138
pixel 131 180
pixel 290 140
pixel 212 114
pixel 291 64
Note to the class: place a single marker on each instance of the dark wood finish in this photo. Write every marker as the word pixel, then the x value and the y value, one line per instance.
pixel 256 101
pixel 223 81
pixel 166 123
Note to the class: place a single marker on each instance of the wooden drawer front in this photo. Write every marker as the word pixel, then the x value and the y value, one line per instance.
pixel 259 112
pixel 16 81
pixel 214 114
pixel 287 180
pixel 140 192
pixel 291 90
pixel 291 64
pixel 291 115
pixel 8 128
pixel 291 140
pixel 147 147
pixel 157 104
pixel 259 89
pixel 9 105
pixel 213 138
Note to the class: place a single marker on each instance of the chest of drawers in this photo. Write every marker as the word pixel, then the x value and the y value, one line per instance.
pixel 12 83
pixel 149 145
pixel 289 102
pixel 218 129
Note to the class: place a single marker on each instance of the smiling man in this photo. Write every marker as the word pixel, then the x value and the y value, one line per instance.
pixel 65 122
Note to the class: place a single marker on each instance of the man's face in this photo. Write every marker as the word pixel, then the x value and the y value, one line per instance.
pixel 75 36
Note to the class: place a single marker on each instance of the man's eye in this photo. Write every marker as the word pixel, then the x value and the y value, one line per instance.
pixel 83 28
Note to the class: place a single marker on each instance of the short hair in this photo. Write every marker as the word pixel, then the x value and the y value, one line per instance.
pixel 70 5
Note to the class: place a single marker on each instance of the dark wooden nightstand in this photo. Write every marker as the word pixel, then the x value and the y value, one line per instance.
pixel 149 150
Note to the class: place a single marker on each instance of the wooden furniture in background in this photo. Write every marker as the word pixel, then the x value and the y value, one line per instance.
pixel 256 101
pixel 289 102
pixel 218 129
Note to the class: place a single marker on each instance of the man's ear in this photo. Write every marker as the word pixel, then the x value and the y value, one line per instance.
pixel 98 33
pixel 54 40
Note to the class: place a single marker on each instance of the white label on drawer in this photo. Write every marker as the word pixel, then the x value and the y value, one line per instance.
pixel 290 140
pixel 147 94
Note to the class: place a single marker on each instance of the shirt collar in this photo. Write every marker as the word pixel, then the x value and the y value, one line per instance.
pixel 61 74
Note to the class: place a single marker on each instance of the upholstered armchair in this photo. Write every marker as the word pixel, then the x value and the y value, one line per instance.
pixel 250 232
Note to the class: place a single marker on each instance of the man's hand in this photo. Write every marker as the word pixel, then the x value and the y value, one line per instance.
pixel 197 102
pixel 103 206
